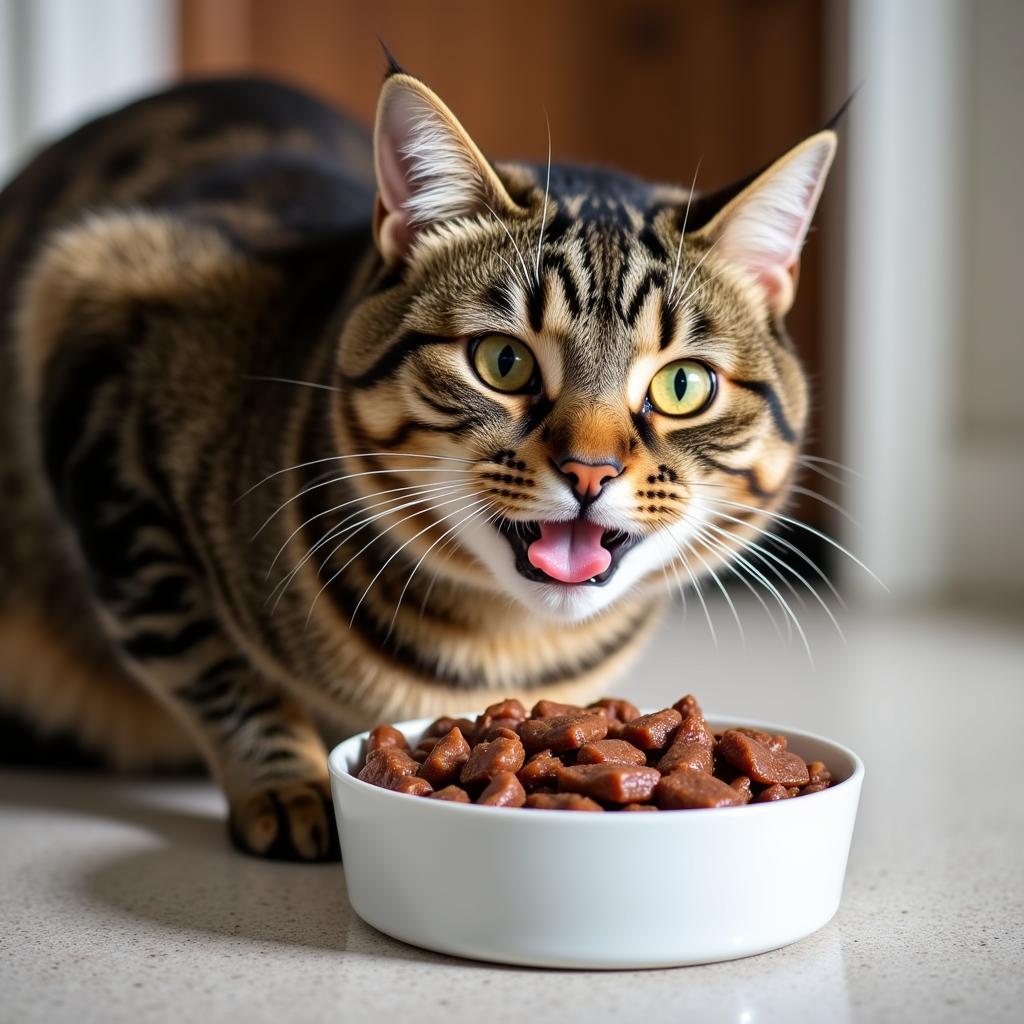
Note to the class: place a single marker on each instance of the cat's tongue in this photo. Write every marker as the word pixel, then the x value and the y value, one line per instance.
pixel 570 552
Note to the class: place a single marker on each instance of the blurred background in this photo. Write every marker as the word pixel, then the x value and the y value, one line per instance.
pixel 907 318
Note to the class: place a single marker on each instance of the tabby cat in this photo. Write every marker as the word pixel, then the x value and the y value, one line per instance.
pixel 304 430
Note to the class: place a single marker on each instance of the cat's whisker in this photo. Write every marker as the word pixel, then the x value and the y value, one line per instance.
pixel 394 554
pixel 834 477
pixel 347 533
pixel 376 537
pixel 682 233
pixel 350 476
pixel 727 562
pixel 416 489
pixel 830 462
pixel 498 516
pixel 511 238
pixel 725 593
pixel 700 593
pixel 779 517
pixel 289 380
pixel 450 531
pixel 700 263
pixel 763 553
pixel 544 214
pixel 782 542
pixel 774 591
pixel 353 455
pixel 835 506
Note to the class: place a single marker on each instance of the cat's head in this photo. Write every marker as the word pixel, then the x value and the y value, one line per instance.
pixel 586 376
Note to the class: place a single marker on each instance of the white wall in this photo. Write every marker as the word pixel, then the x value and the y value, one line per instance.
pixel 64 60
pixel 933 272
pixel 988 502
pixel 901 269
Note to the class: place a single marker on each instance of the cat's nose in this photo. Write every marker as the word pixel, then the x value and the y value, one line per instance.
pixel 587 479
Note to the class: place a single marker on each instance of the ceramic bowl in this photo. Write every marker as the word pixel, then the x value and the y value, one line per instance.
pixel 570 889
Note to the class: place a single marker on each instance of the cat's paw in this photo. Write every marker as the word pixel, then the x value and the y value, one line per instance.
pixel 286 821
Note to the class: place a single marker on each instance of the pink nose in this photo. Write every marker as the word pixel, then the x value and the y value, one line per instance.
pixel 586 479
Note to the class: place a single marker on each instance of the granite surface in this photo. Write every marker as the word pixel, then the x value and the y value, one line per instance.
pixel 121 900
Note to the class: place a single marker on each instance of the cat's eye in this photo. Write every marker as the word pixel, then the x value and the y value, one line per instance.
pixel 504 363
pixel 683 388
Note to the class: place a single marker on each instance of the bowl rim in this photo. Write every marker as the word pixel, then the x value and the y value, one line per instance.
pixel 836 791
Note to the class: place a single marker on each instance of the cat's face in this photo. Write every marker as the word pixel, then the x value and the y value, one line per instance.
pixel 589 399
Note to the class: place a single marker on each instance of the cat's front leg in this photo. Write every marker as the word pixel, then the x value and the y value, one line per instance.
pixel 259 744
pixel 262 748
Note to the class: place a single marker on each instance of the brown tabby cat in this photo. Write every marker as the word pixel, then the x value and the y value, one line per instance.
pixel 284 445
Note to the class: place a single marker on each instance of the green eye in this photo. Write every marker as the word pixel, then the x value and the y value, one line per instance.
pixel 503 363
pixel 683 388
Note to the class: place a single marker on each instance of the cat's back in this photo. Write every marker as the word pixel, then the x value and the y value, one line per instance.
pixel 274 172
pixel 256 157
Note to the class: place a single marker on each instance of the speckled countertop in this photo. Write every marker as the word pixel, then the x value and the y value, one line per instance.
pixel 121 901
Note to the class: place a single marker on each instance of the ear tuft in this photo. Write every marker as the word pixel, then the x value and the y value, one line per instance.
pixel 394 68
pixel 763 229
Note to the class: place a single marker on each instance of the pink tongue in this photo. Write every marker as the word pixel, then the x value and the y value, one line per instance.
pixel 570 552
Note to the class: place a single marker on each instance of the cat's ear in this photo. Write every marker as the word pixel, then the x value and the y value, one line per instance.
pixel 428 168
pixel 762 229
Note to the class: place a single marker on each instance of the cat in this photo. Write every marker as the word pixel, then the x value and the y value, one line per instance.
pixel 305 429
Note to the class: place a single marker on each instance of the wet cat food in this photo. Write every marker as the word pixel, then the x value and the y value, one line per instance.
pixel 604 757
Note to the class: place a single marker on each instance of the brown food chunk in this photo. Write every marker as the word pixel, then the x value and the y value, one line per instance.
pixel 562 802
pixel 771 742
pixel 819 775
pixel 775 792
pixel 508 708
pixel 488 728
pixel 760 763
pixel 563 732
pixel 387 766
pixel 445 759
pixel 454 794
pixel 489 759
pixel 652 732
pixel 683 790
pixel 386 736
pixel 616 783
pixel 553 709
pixel 688 706
pixel 504 790
pixel 639 807
pixel 742 786
pixel 617 751
pixel 615 729
pixel 692 747
pixel 618 710
pixel 541 768
pixel 413 785
pixel 444 725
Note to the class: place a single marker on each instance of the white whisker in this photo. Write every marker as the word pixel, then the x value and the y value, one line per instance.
pixel 544 214
pixel 682 233
pixel 354 455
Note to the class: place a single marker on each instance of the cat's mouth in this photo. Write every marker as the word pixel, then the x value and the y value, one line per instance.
pixel 575 551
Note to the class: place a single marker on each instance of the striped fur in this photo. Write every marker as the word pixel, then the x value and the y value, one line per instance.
pixel 251 484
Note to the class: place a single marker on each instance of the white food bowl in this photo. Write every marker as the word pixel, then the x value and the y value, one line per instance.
pixel 613 890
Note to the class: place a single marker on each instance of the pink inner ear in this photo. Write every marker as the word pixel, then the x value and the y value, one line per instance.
pixel 392 174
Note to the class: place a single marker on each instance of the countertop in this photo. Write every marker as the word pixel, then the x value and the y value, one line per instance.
pixel 121 900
